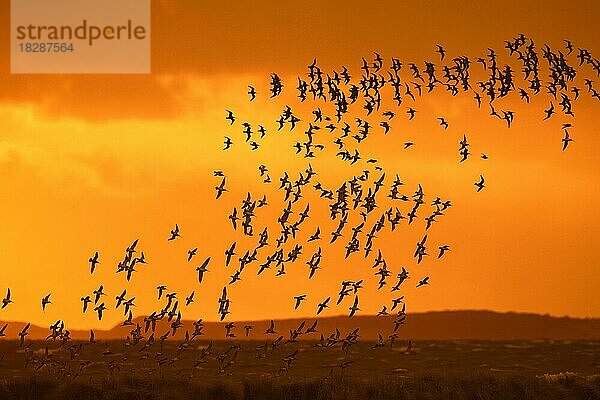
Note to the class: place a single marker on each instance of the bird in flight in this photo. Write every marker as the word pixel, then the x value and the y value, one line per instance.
pixel 24 333
pixel 93 262
pixel 86 300
pixel 251 92
pixel 299 299
pixel 227 143
pixel 100 309
pixel 443 122
pixel 354 307
pixel 566 140
pixel 224 304
pixel 120 299
pixel 480 185
pixel 441 51
pixel 202 269
pixel 423 282
pixel 192 253
pixel 230 117
pixel 45 301
pixel 189 299
pixel 175 233
pixel 549 111
pixel 161 289
pixel 6 300
pixel 234 218
pixel 229 253
pixel 395 302
pixel 221 188
pixel 323 305
pixel 568 46
pixel 443 249
pixel 97 293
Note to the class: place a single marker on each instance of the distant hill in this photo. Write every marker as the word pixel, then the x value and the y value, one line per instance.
pixel 437 325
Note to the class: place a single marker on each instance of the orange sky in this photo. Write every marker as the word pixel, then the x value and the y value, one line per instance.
pixel 92 162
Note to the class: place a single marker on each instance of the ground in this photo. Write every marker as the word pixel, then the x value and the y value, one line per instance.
pixel 432 369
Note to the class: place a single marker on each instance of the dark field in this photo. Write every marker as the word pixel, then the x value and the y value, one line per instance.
pixel 433 369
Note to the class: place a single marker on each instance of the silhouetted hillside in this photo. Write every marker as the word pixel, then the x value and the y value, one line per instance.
pixel 438 325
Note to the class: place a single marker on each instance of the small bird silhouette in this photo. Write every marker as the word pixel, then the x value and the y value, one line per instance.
pixel 45 302
pixel 93 262
pixel 6 300
pixel 443 122
pixel 566 140
pixel 174 233
pixel 480 185
pixel 423 282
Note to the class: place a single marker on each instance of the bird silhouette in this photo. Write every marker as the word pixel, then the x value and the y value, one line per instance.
pixel 7 299
pixel 220 189
pixel 174 233
pixel 230 116
pixel 323 305
pixel 299 299
pixel 443 122
pixel 566 140
pixel 252 93
pixel 424 281
pixel 93 262
pixel 45 301
pixel 480 185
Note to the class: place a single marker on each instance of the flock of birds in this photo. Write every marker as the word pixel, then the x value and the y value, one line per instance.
pixel 360 209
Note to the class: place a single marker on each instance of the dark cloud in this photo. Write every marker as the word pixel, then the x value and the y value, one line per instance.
pixel 208 38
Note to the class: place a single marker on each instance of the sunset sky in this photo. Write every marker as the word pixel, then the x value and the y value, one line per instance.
pixel 91 162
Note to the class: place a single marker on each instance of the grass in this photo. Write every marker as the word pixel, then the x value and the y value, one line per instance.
pixel 453 370
pixel 456 387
